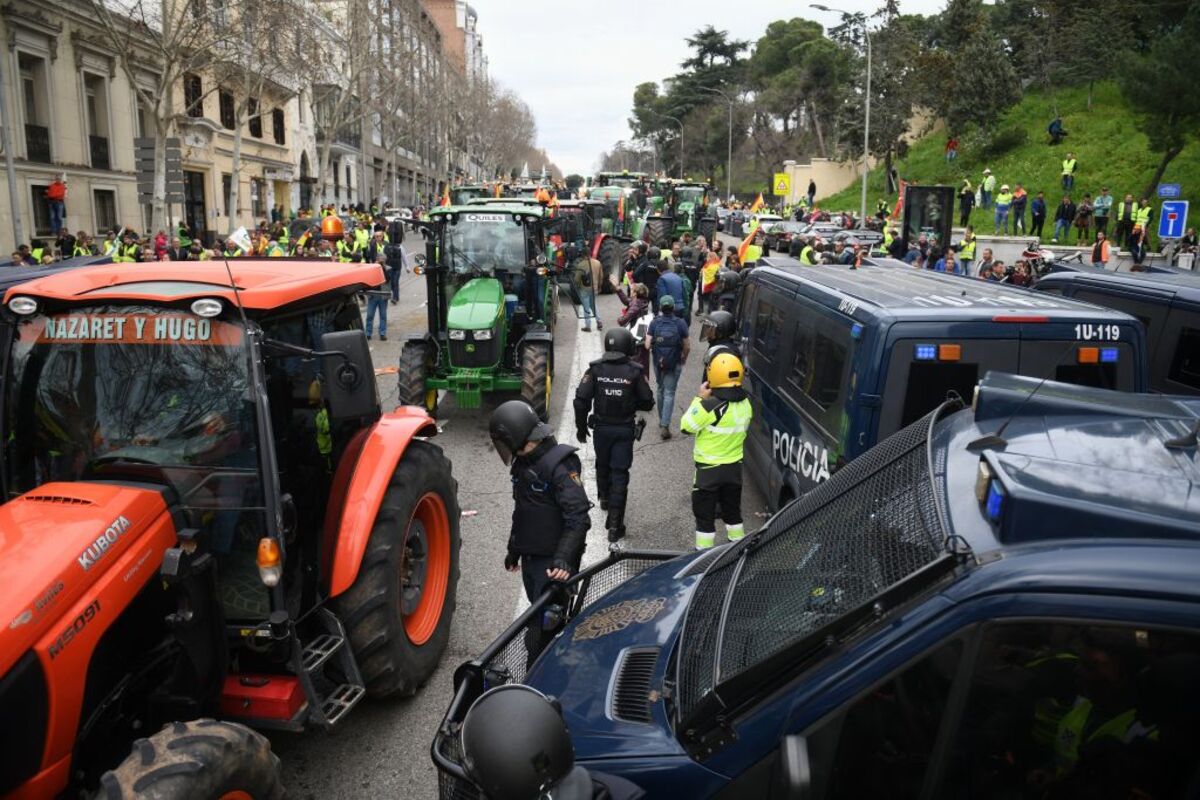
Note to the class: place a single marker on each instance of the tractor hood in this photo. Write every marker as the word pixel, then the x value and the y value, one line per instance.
pixel 589 670
pixel 55 543
pixel 478 304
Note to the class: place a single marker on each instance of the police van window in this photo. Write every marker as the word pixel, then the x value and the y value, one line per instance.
pixel 882 745
pixel 1185 365
pixel 929 382
pixel 768 328
pixel 1070 710
pixel 815 378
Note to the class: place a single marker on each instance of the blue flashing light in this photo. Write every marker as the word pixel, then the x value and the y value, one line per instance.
pixel 1108 355
pixel 995 501
pixel 855 331
pixel 926 352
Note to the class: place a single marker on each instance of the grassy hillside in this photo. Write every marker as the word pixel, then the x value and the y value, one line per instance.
pixel 1110 152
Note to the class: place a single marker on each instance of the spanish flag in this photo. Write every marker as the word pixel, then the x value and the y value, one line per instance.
pixel 758 204
pixel 445 195
pixel 621 208
pixel 496 190
pixel 749 240
pixel 708 273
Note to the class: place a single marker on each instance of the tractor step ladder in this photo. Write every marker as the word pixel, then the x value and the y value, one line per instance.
pixel 328 709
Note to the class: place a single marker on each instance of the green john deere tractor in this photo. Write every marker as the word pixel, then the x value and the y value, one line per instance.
pixel 583 228
pixel 491 308
pixel 682 207
pixel 463 194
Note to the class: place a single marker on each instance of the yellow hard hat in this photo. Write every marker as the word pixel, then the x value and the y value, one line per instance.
pixel 724 370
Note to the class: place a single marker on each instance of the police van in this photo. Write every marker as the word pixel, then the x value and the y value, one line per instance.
pixel 838 358
pixel 1166 303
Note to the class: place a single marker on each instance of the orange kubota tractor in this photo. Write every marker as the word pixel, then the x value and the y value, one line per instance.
pixel 209 521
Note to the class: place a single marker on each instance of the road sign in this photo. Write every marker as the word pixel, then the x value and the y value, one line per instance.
pixel 1168 191
pixel 1172 220
pixel 782 184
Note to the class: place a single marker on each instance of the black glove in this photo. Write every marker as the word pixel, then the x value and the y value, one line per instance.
pixel 581 436
pixel 558 563
pixel 511 560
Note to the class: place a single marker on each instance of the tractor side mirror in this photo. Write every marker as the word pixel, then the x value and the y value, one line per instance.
pixel 794 778
pixel 349 376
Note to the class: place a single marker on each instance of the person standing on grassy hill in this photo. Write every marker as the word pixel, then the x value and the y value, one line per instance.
pixel 1063 218
pixel 986 188
pixel 1038 214
pixel 1020 200
pixel 1083 220
pixel 1102 207
pixel 1068 172
pixel 1003 205
pixel 966 201
pixel 1126 209
pixel 951 149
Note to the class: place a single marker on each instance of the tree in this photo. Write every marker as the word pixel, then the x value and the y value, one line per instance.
pixel 1160 88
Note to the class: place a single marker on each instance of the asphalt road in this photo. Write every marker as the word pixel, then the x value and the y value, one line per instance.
pixel 382 748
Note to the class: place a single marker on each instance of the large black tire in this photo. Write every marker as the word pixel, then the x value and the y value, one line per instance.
pixel 610 264
pixel 536 377
pixel 707 227
pixel 416 362
pixel 196 760
pixel 392 661
pixel 658 231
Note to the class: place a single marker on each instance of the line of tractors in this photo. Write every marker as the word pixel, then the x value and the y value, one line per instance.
pixel 210 523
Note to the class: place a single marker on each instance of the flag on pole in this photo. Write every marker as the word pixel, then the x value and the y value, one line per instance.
pixel 899 203
pixel 749 240
pixel 445 195
pixel 758 204
pixel 621 209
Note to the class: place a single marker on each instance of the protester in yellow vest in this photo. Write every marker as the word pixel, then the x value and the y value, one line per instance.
pixel 1068 172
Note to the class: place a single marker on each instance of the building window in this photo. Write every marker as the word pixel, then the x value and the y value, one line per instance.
pixel 277 124
pixel 143 120
pixel 35 102
pixel 193 95
pixel 347 181
pixel 41 211
pixel 255 119
pixel 258 198
pixel 301 101
pixel 104 202
pixel 95 100
pixel 228 114
pixel 227 192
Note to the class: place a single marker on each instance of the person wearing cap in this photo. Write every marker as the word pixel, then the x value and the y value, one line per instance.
pixel 550 506
pixel 986 186
pixel 1003 204
pixel 719 417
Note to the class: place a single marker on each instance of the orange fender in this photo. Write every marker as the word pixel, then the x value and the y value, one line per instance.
pixel 358 487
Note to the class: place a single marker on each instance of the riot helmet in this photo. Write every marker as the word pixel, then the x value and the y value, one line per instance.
pixel 521 766
pixel 619 340
pixel 513 425
pixel 718 325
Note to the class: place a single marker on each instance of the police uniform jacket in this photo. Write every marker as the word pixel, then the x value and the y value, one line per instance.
pixel 550 512
pixel 618 389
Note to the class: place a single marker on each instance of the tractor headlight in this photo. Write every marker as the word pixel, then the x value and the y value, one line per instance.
pixel 458 335
pixel 206 307
pixel 23 305
pixel 483 335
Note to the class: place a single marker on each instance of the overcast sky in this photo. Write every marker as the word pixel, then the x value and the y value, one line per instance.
pixel 557 55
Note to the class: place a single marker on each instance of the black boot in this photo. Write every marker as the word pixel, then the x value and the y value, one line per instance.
pixel 604 502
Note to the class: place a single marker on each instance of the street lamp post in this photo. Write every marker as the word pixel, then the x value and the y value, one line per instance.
pixel 729 143
pixel 680 124
pixel 848 18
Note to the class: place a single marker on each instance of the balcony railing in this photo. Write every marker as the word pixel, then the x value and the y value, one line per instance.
pixel 99 149
pixel 344 136
pixel 37 143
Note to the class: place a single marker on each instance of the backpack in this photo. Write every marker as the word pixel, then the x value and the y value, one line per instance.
pixel 668 344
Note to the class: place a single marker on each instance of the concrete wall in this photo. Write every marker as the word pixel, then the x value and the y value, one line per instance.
pixel 831 176
pixel 1009 248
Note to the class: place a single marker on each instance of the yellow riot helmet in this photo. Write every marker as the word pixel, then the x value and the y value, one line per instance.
pixel 724 370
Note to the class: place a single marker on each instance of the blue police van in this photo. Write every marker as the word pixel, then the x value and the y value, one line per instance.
pixel 839 358
pixel 997 601
pixel 1166 303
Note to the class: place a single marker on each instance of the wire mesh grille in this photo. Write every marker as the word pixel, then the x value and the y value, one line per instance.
pixel 871 525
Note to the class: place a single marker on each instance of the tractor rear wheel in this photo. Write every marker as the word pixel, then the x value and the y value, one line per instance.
pixel 198 760
pixel 536 378
pixel 416 362
pixel 610 264
pixel 397 613
pixel 658 231
pixel 707 227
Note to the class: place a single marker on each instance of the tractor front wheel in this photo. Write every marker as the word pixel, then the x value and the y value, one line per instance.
pixel 610 265
pixel 535 377
pixel 198 760
pixel 658 231
pixel 707 227
pixel 397 613
pixel 416 362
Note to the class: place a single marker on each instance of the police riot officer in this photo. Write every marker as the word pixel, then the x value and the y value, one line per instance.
pixel 720 331
pixel 728 284
pixel 616 388
pixel 550 514
pixel 719 418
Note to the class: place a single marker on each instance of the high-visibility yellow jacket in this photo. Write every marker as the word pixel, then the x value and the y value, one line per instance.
pixel 720 428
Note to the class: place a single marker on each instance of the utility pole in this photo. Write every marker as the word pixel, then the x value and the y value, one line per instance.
pixel 728 144
pixel 860 20
pixel 680 124
pixel 5 121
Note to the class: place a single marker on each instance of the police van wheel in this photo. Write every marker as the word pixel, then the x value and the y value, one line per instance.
pixel 610 264
pixel 416 358
pixel 202 760
pixel 535 377
pixel 397 613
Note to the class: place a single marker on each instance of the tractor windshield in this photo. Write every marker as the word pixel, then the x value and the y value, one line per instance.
pixel 485 243
pixel 136 393
pixel 690 194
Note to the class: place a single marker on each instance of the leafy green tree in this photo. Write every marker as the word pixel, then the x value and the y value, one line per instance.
pixel 1160 87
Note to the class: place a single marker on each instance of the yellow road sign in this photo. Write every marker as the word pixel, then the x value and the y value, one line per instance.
pixel 782 184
